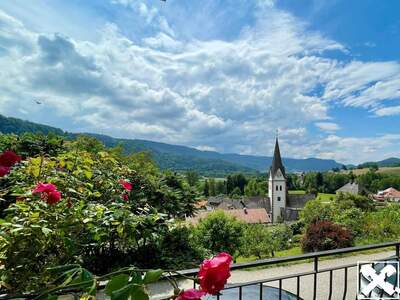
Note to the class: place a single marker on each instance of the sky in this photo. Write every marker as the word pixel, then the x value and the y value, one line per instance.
pixel 220 75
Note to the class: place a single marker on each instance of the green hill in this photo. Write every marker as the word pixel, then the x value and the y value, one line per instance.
pixel 182 158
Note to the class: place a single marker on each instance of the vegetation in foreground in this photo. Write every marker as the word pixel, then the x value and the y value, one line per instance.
pixel 78 202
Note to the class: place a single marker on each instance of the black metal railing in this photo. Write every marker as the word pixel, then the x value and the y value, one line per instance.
pixel 315 272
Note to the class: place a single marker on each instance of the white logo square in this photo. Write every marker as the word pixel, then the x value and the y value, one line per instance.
pixel 378 280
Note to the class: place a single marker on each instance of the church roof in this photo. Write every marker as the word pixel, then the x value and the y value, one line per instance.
pixel 277 161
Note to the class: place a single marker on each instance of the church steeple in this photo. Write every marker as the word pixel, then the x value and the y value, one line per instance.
pixel 277 161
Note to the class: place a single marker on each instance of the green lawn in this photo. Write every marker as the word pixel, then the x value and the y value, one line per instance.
pixel 326 197
pixel 297 192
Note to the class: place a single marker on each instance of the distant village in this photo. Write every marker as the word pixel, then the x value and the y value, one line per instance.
pixel 280 205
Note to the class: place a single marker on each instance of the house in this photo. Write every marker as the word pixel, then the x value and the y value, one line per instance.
pixel 247 215
pixel 352 188
pixel 390 194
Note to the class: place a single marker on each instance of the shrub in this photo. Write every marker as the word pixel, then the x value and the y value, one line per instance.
pixel 326 235
pixel 257 240
pixel 316 210
pixel 219 232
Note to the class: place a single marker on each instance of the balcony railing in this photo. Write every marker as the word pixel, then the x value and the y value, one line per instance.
pixel 315 273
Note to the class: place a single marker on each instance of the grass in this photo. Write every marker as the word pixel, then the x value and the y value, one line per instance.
pixel 326 197
pixel 297 192
pixel 384 170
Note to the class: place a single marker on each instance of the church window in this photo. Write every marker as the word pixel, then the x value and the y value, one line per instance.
pixel 276 188
pixel 279 198
pixel 280 188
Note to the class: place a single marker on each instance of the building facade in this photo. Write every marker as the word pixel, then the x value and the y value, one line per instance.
pixel 277 186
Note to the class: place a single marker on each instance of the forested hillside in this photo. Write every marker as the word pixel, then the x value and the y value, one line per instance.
pixel 182 158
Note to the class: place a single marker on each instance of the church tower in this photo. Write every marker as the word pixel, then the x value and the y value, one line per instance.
pixel 277 189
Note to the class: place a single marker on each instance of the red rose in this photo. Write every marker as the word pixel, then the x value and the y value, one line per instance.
pixel 53 197
pixel 125 197
pixel 4 171
pixel 48 192
pixel 44 188
pixel 191 294
pixel 9 158
pixel 126 185
pixel 214 273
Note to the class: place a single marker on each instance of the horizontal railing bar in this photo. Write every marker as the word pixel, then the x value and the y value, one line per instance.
pixel 278 260
pixel 272 279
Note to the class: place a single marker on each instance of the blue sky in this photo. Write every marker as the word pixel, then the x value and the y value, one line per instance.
pixel 213 74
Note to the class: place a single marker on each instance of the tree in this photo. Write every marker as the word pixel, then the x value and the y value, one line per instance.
pixel 206 189
pixel 326 235
pixel 316 210
pixel 257 240
pixel 220 187
pixel 236 193
pixel 192 177
pixel 211 185
pixel 219 232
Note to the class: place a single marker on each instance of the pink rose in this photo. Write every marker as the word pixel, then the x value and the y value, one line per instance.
pixel 126 185
pixel 214 273
pixel 48 192
pixel 191 294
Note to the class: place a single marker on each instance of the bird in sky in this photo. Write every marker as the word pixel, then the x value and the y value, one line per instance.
pixel 38 102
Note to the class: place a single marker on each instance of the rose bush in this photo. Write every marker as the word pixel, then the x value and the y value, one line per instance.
pixel 77 202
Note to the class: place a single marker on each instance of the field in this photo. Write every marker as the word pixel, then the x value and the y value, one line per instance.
pixel 384 170
pixel 297 192
pixel 326 197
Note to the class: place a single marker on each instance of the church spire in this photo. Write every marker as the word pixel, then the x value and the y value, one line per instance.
pixel 277 160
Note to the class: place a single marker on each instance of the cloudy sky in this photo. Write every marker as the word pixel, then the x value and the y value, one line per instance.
pixel 218 75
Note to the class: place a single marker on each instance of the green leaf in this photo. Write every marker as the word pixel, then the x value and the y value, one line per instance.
pixel 136 277
pixel 152 276
pixel 52 297
pixel 138 292
pixel 46 231
pixel 116 283
pixel 122 293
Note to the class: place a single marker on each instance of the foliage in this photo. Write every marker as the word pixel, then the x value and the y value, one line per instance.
pixel 236 181
pixel 132 283
pixel 219 232
pixel 326 235
pixel 192 178
pixel 98 222
pixel 348 200
pixel 257 240
pixel 255 187
pixel 317 210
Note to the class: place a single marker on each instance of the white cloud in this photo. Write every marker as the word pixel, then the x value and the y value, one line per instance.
pixel 388 111
pixel 328 126
pixel 227 95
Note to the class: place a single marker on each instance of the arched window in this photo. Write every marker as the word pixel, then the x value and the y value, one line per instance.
pixel 276 188
pixel 280 188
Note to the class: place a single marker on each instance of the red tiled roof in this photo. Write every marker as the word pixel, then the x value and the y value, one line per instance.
pixel 391 192
pixel 250 215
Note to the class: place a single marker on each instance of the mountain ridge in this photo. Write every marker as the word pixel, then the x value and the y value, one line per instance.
pixel 179 157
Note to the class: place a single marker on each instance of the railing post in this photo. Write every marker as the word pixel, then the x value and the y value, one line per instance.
pixel 315 276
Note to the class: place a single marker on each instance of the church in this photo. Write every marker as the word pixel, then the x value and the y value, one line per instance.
pixel 282 206
pixel 279 206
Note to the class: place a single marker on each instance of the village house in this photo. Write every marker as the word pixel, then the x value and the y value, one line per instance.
pixel 390 194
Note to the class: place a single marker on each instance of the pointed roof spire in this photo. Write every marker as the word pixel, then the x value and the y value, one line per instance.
pixel 277 160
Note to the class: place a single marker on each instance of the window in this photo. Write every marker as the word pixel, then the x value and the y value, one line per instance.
pixel 279 198
pixel 276 188
pixel 280 188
